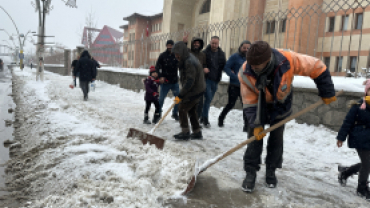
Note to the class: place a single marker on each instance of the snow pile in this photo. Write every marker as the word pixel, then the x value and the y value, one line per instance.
pixel 348 84
pixel 73 162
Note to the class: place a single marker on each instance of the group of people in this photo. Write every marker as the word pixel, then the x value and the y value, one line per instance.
pixel 85 68
pixel 200 72
pixel 262 77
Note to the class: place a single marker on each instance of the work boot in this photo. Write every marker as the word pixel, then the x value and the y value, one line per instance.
pixel 206 123
pixel 197 135
pixel 156 118
pixel 250 180
pixel 182 136
pixel 220 121
pixel 175 116
pixel 86 98
pixel 342 177
pixel 271 180
pixel 363 191
pixel 146 119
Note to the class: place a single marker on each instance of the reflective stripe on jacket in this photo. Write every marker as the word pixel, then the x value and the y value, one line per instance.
pixel 287 65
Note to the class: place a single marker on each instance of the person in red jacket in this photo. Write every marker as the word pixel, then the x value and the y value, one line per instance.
pixel 151 95
pixel 267 92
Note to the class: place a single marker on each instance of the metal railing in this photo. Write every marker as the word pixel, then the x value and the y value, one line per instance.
pixel 335 32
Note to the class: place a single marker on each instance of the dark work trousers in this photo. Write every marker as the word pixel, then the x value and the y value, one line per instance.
pixel 274 158
pixel 149 103
pixel 200 106
pixel 362 168
pixel 188 110
pixel 234 93
pixel 85 87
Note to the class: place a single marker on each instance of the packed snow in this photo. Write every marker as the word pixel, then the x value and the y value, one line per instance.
pixel 79 155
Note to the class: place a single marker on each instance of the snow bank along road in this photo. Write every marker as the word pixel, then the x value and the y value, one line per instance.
pixel 71 153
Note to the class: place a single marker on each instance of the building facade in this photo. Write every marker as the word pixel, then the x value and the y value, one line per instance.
pixel 335 31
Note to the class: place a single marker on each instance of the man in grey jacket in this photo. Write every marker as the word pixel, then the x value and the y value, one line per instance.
pixel 193 86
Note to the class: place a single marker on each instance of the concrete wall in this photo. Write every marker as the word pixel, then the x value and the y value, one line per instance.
pixel 330 116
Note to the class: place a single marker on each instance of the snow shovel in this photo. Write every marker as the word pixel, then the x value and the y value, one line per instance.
pixel 199 169
pixel 149 137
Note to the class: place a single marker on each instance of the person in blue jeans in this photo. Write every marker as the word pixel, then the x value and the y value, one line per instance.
pixel 232 70
pixel 215 61
pixel 167 67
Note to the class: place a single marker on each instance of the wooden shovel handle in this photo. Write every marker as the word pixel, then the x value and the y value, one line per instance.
pixel 313 106
pixel 163 117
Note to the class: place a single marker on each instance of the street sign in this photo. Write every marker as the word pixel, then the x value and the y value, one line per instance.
pixel 21 56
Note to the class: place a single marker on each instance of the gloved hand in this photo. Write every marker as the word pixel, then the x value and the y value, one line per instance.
pixel 257 132
pixel 155 93
pixel 327 101
pixel 177 100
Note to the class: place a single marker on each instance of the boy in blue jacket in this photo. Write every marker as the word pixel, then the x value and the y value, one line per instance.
pixel 357 126
pixel 232 69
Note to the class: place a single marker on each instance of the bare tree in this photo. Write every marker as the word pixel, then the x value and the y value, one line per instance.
pixel 91 22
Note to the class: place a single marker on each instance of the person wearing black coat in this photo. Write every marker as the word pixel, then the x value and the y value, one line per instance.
pixel 356 125
pixel 86 69
pixel 167 69
pixel 215 61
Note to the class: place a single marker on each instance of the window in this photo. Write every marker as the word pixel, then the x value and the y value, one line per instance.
pixel 327 62
pixel 132 22
pixel 206 7
pixel 338 65
pixel 125 49
pixel 359 18
pixel 345 20
pixel 270 27
pixel 132 36
pixel 353 63
pixel 283 25
pixel 331 24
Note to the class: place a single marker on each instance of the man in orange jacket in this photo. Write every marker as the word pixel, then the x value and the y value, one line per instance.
pixel 266 89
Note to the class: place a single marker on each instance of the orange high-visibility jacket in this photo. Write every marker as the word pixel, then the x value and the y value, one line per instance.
pixel 287 65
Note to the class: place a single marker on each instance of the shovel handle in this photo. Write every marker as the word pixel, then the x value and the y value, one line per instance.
pixel 163 117
pixel 275 126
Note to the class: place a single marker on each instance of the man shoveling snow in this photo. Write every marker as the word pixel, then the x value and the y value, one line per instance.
pixel 267 92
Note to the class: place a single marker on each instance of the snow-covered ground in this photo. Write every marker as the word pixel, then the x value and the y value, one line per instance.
pixel 80 155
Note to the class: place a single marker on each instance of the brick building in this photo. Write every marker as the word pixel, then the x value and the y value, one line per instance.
pixel 139 49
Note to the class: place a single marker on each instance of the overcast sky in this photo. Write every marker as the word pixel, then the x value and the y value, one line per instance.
pixel 64 22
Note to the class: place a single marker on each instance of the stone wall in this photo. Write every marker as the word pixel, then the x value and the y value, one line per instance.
pixel 330 116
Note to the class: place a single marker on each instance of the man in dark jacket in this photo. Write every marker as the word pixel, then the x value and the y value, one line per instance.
pixel 167 70
pixel 73 65
pixel 86 68
pixel 197 45
pixel 232 69
pixel 266 87
pixel 215 61
pixel 193 86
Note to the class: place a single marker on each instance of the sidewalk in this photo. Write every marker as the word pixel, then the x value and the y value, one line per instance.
pixel 79 154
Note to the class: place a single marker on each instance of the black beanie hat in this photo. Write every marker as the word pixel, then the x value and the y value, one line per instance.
pixel 259 52
pixel 170 42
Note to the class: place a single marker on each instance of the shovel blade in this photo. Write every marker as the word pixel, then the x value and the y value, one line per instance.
pixel 193 179
pixel 145 138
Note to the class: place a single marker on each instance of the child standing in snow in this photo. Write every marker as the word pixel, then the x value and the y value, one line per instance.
pixel 151 95
pixel 357 126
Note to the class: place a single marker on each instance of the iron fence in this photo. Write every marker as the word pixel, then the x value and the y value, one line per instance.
pixel 336 32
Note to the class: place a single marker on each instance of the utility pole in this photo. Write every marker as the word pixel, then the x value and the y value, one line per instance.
pixel 44 7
